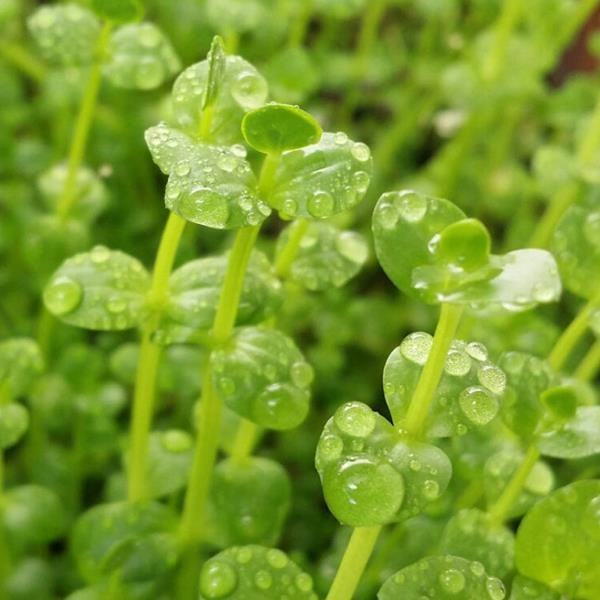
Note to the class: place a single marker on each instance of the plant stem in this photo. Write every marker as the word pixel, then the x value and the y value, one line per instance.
pixel 354 561
pixel 368 34
pixel 22 59
pixel 299 24
pixel 418 409
pixel 290 250
pixel 244 441
pixel 590 364
pixel 505 25
pixel 572 334
pixel 147 367
pixel 503 504
pixel 83 124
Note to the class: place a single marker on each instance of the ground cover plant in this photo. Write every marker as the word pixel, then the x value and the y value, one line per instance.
pixel 299 300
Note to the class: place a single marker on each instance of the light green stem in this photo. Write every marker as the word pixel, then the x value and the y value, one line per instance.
pixel 420 403
pixel 22 59
pixel 357 554
pixel 590 363
pixel 245 438
pixel 572 334
pixel 290 250
pixel 503 504
pixel 83 124
pixel 299 24
pixel 368 34
pixel 505 25
pixel 149 357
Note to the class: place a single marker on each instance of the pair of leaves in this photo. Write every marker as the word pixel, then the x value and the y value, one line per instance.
pixel 370 475
pixel 433 253
pixel 254 573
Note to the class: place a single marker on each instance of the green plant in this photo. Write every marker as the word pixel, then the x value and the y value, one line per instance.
pixel 160 427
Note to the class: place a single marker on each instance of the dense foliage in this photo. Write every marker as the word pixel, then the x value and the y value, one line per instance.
pixel 355 357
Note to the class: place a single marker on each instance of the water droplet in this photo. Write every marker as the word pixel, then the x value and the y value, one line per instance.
pixel 355 418
pixel 301 373
pixel 458 363
pixel 116 305
pixel 431 489
pixel 249 90
pixel 340 138
pixel 321 205
pixel 227 163
pixel 492 378
pixel 387 215
pixel 217 580
pixel 478 405
pixel 244 555
pixel 263 580
pixel 277 559
pixel 352 246
pixel 330 447
pixel 360 181
pixel 495 588
pixel 416 347
pixel 289 207
pixel 182 169
pixel 176 441
pixel 204 206
pixel 227 386
pixel 99 254
pixel 414 465
pixel 452 580
pixel 412 206
pixel 477 569
pixel 360 151
pixel 63 295
pixel 477 351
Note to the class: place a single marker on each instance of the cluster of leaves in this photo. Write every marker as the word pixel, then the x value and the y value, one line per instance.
pixel 160 427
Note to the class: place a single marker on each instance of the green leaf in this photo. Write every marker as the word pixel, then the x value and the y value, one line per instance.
pixel 140 57
pixel 327 257
pixel 14 421
pixel 527 378
pixel 21 364
pixel 241 88
pixel 262 376
pixel 577 438
pixel 501 466
pixel 102 289
pixel 464 244
pixel 254 573
pixel 274 128
pixel 576 245
pixel 561 401
pixel 169 461
pixel 524 588
pixel 240 15
pixel 194 291
pixel 91 195
pixel 442 578
pixel 469 393
pixel 371 476
pixel 322 179
pixel 558 541
pixel 118 11
pixel 101 530
pixel 65 33
pixel 248 503
pixel 471 533
pixel 32 515
pixel 292 75
pixel 209 185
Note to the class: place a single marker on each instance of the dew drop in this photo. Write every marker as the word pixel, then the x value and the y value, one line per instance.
pixel 244 555
pixel 304 582
pixel 116 305
pixel 63 295
pixel 355 418
pixel 431 489
pixel 412 207
pixel 182 169
pixel 249 90
pixel 478 405
pixel 227 386
pixel 289 207
pixel 263 580
pixel 477 351
pixel 321 205
pixel 458 363
pixel 352 246
pixel 340 138
pixel 148 36
pixel 416 347
pixel 330 447
pixel 227 163
pixel 217 580
pixel 477 569
pixel 277 559
pixel 414 465
pixel 495 588
pixel 360 181
pixel 99 254
pixel 360 152
pixel 492 378
pixel 238 150
pixel 301 373
pixel 452 580
pixel 387 215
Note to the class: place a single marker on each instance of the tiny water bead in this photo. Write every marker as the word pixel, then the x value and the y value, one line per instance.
pixel 416 347
pixel 257 573
pixel 452 580
pixel 355 419
pixel 321 204
pixel 63 295
pixel 412 207
pixel 478 405
pixel 495 588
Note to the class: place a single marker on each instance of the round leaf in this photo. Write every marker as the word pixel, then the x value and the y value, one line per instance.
pixel 558 541
pixel 249 500
pixel 274 128
pixel 21 364
pixel 14 421
pixel 262 376
pixel 169 461
pixel 577 438
pixel 443 578
pixel 140 57
pixel 322 179
pixel 254 573
pixel 102 289
pixel 464 244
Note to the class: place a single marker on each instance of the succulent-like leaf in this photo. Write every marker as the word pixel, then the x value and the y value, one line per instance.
pixel 102 289
pixel 326 256
pixel 140 57
pixel 262 376
pixel 558 541
pixel 443 578
pixel 254 573
pixel 322 179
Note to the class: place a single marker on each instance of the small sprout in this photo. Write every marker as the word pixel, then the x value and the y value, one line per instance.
pixel 274 128
pixel 464 244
